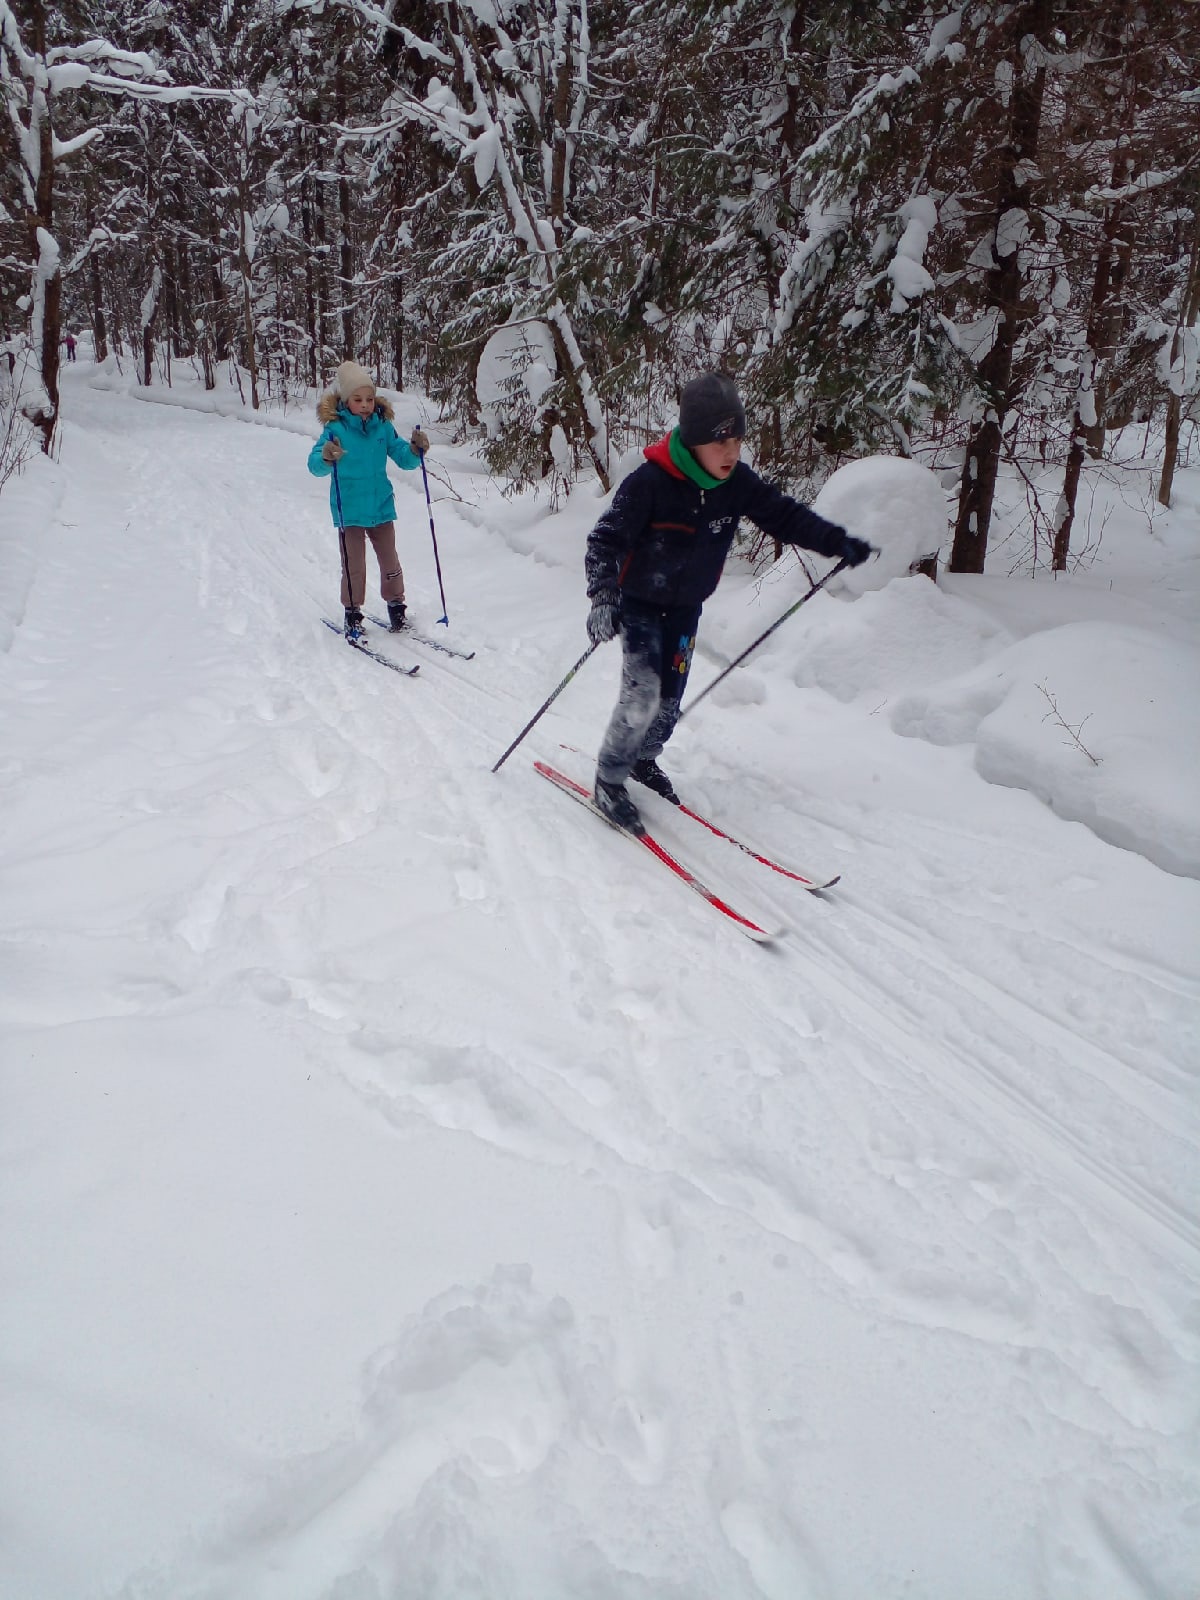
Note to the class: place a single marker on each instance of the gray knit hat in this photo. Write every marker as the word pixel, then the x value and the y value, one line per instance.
pixel 349 377
pixel 709 410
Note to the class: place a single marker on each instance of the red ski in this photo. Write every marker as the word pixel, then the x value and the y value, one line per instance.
pixel 775 866
pixel 804 879
pixel 744 924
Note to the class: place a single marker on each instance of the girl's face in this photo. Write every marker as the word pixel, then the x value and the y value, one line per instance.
pixel 718 458
pixel 362 402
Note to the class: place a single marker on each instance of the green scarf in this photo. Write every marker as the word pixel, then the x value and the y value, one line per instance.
pixel 688 465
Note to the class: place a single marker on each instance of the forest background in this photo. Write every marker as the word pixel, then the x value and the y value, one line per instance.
pixel 969 235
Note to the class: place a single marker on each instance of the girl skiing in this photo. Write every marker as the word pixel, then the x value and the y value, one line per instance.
pixel 357 439
pixel 656 555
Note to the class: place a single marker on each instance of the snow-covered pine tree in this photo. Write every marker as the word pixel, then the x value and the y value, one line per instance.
pixel 508 104
pixel 1132 140
pixel 852 356
pixel 52 66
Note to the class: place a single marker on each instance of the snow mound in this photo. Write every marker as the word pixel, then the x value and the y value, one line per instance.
pixel 898 506
pixel 901 637
pixel 1130 697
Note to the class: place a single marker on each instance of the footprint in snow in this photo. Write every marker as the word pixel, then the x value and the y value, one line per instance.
pixel 470 885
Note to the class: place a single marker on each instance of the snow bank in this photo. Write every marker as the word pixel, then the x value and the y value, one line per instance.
pixel 1129 694
pixel 897 505
pixel 28 507
pixel 188 397
pixel 901 637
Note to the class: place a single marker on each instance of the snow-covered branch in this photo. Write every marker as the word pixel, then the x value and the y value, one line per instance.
pixel 1145 183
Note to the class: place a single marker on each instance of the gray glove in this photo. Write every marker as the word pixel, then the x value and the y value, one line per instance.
pixel 332 451
pixel 419 440
pixel 603 619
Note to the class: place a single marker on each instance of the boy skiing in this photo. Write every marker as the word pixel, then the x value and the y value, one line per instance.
pixel 656 555
pixel 357 439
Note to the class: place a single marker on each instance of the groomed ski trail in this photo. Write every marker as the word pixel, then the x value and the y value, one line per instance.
pixel 343 863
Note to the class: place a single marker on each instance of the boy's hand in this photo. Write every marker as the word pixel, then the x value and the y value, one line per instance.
pixel 602 620
pixel 855 551
pixel 332 451
pixel 420 441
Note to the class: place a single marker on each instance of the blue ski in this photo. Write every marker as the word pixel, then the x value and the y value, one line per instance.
pixel 375 655
pixel 409 632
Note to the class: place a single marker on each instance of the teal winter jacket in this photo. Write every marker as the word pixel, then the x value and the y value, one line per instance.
pixel 362 478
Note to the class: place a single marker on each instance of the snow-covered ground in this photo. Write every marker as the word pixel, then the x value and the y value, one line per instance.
pixel 410 1192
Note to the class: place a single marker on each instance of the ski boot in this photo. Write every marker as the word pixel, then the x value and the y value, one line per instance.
pixel 613 802
pixel 353 628
pixel 396 614
pixel 652 776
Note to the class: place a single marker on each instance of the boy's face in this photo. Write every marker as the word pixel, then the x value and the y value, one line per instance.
pixel 362 402
pixel 718 458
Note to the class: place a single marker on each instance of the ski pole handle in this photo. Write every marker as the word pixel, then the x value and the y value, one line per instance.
pixel 749 650
pixel 544 707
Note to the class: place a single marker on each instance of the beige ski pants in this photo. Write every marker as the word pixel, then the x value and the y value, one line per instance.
pixel 354 563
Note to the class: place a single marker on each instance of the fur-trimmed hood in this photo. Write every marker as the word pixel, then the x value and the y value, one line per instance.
pixel 327 408
pixel 360 495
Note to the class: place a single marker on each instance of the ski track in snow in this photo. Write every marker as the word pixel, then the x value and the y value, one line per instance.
pixel 927 1159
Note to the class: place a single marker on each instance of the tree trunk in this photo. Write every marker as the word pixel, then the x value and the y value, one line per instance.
pixel 96 286
pixel 46 289
pixel 218 320
pixel 246 270
pixel 174 347
pixel 345 243
pixel 1191 311
pixel 99 327
pixel 346 262
pixel 1104 320
pixel 1064 517
pixel 398 333
pixel 149 316
pixel 310 288
pixel 976 495
pixel 1004 293
pixel 324 285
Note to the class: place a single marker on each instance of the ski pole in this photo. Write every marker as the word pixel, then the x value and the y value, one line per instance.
pixel 749 650
pixel 341 520
pixel 544 707
pixel 437 561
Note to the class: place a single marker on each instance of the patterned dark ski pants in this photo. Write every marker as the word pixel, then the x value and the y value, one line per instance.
pixel 656 645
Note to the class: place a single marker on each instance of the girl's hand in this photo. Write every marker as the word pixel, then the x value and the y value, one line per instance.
pixel 419 441
pixel 332 451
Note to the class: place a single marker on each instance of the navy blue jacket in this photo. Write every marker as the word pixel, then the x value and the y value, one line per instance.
pixel 664 540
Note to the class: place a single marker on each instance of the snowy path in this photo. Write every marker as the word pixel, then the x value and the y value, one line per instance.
pixel 409 1191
